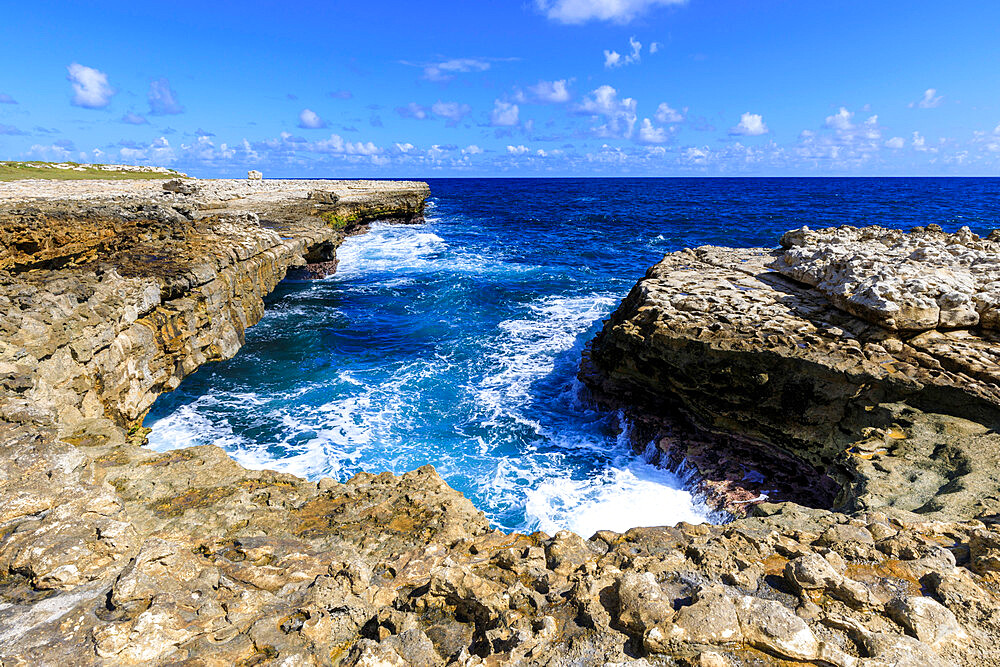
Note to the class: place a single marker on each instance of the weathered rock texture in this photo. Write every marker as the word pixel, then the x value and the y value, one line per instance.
pixel 112 293
pixel 111 554
pixel 879 417
pixel 916 281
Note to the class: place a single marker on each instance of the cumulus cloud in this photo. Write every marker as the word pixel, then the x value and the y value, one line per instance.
pixel 404 148
pixel 840 120
pixel 504 114
pixel 447 69
pixel 930 100
pixel 919 142
pixel 581 11
pixel 517 150
pixel 665 114
pixel 90 87
pixel 618 114
pixel 452 111
pixel 614 59
pixel 895 142
pixel 162 99
pixel 750 125
pixel 60 151
pixel 310 120
pixel 472 149
pixel 650 134
pixel 654 47
pixel 134 119
pixel 550 92
pixel 7 99
pixel 337 144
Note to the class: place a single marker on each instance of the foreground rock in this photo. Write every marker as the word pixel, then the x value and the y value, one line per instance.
pixel 111 554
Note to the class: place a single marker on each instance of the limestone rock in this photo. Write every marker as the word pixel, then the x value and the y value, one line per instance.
pixel 920 280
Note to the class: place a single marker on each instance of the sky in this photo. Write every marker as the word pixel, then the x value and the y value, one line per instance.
pixel 506 88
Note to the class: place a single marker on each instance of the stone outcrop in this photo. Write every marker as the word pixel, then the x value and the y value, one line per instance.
pixel 111 295
pixel 112 554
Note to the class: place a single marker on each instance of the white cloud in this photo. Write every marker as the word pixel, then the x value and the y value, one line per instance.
pixel 614 59
pixel 650 134
pixel 90 87
pixel 404 148
pixel 541 153
pixel 446 70
pixel 453 111
pixel 919 142
pixel 895 142
pixel 841 120
pixel 750 125
pixel 413 110
pixel 504 114
pixel 665 114
pixel 336 144
pixel 310 120
pixel 618 114
pixel 550 92
pixel 59 151
pixel 517 150
pixel 472 149
pixel 162 99
pixel 996 130
pixel 581 11
pixel 930 100
pixel 654 47
pixel 695 155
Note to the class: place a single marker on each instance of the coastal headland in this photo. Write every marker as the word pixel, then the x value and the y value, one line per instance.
pixel 851 373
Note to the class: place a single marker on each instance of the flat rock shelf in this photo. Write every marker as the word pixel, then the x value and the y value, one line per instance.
pixel 112 554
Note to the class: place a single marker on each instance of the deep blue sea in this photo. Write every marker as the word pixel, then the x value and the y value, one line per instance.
pixel 456 342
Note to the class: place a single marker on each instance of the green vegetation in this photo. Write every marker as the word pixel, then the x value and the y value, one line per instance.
pixel 339 221
pixel 71 171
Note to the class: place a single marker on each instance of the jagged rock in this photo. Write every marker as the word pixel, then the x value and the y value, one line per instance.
pixel 821 400
pixel 920 280
pixel 180 187
pixel 642 604
pixel 927 621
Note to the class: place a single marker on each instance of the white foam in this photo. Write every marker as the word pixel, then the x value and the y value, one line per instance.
pixel 528 347
pixel 617 498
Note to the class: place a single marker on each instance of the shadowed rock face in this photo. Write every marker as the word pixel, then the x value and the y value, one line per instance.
pixel 111 554
pixel 897 420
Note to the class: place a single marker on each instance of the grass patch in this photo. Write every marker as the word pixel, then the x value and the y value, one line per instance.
pixel 73 171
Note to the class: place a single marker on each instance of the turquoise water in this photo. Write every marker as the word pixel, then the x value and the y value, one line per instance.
pixel 456 342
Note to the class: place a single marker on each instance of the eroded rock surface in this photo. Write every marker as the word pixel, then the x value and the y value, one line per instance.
pixel 801 396
pixel 909 281
pixel 112 554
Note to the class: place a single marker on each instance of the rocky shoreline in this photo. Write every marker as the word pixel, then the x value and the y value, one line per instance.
pixel 112 554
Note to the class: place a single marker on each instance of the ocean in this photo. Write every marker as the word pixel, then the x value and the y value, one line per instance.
pixel 456 342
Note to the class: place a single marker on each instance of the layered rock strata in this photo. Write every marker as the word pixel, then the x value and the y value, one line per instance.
pixel 111 554
pixel 732 341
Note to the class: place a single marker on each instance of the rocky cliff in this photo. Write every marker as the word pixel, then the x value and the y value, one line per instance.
pixel 111 554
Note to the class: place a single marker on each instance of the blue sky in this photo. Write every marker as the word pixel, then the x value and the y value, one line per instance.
pixel 495 88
